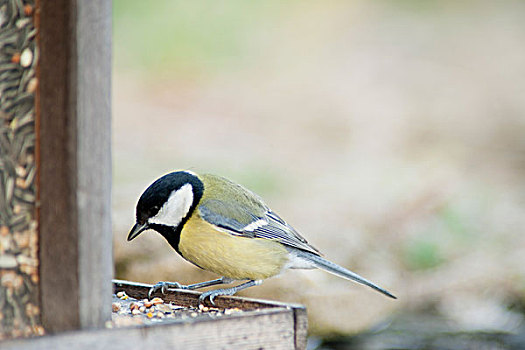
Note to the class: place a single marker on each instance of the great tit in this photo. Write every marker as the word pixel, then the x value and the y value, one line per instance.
pixel 224 228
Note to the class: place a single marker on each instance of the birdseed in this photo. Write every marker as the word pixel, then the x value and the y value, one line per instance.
pixel 20 315
pixel 144 311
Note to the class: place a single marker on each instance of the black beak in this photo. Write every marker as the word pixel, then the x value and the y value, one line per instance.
pixel 137 230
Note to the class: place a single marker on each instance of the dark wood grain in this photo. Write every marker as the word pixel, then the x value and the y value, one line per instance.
pixel 58 212
pixel 74 163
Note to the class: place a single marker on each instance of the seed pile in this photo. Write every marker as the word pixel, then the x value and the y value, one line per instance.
pixel 128 310
pixel 19 311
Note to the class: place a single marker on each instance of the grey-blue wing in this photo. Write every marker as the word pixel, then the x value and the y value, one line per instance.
pixel 225 215
pixel 278 229
pixel 263 224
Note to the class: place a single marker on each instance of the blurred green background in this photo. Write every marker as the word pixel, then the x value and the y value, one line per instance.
pixel 390 133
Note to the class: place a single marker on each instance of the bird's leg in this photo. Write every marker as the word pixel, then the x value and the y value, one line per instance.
pixel 166 286
pixel 222 280
pixel 211 294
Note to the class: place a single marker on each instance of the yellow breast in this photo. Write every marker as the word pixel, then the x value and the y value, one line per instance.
pixel 230 256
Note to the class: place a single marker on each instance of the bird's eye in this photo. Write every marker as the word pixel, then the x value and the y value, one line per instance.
pixel 155 208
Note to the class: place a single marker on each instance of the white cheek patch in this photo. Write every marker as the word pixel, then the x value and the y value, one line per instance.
pixel 176 207
pixel 255 225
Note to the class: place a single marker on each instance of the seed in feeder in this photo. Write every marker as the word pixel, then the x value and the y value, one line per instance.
pixel 133 306
pixel 121 294
pixel 148 303
pixel 159 314
pixel 157 300
pixel 135 312
pixel 115 307
pixel 20 182
pixel 22 239
pixel 28 10
pixel 22 22
pixel 142 309
pixel 32 310
pixel 15 58
pixel 164 308
pixel 31 85
pixel 150 315
pixel 39 330
pixel 4 230
pixel 26 58
pixel 20 171
pixel 228 311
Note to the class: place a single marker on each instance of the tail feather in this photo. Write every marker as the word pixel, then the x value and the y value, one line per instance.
pixel 337 270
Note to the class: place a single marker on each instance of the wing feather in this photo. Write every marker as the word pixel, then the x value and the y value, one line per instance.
pixel 238 221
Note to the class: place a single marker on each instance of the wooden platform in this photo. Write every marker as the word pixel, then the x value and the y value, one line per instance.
pixel 260 325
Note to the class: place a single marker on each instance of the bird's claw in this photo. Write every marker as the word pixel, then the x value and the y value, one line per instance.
pixel 202 299
pixel 164 287
pixel 206 295
pixel 211 294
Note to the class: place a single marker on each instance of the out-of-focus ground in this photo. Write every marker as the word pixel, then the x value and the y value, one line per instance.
pixel 391 134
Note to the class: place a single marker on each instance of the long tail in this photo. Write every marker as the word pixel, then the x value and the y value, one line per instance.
pixel 337 270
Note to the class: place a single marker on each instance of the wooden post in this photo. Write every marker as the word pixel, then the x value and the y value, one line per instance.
pixel 74 123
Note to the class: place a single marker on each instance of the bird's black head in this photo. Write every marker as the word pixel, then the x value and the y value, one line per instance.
pixel 167 203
